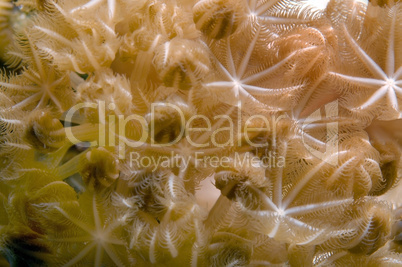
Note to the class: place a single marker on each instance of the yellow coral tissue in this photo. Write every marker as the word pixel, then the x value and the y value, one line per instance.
pixel 200 133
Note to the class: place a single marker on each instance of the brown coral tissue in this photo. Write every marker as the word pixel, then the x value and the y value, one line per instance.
pixel 200 133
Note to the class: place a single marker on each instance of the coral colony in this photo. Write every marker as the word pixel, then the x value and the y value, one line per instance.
pixel 200 133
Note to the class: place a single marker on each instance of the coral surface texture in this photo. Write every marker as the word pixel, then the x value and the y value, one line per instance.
pixel 200 133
